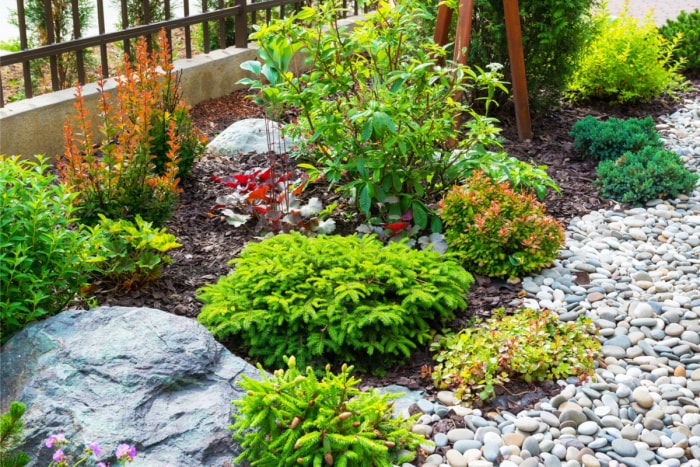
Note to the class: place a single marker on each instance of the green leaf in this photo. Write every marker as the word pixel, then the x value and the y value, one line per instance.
pixel 420 214
pixel 365 200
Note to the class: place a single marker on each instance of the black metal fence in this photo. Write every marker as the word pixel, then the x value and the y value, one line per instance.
pixel 241 14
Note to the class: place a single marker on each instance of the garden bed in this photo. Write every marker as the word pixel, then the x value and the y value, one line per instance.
pixel 209 243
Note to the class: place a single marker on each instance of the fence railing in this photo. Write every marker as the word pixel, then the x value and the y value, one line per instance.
pixel 239 15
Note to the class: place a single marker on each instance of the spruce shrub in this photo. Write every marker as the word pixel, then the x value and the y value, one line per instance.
pixel 532 345
pixel 497 231
pixel 651 173
pixel 626 62
pixel 334 299
pixel 688 26
pixel 609 139
pixel 44 258
pixel 294 418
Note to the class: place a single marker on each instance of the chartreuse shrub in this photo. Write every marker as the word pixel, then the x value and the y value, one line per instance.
pixel 637 177
pixel 334 299
pixel 44 258
pixel 11 427
pixel 377 112
pixel 131 254
pixel 531 345
pixel 497 231
pixel 687 25
pixel 626 61
pixel 147 143
pixel 609 139
pixel 295 418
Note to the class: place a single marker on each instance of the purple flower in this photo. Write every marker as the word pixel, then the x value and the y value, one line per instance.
pixel 102 464
pixel 55 440
pixel 59 456
pixel 125 452
pixel 95 448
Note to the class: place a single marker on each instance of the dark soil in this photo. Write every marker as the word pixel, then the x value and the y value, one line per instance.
pixel 209 243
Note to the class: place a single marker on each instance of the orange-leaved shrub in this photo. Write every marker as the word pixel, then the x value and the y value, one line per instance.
pixel 498 231
pixel 131 169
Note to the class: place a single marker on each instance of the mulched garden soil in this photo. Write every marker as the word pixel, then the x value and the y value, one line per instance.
pixel 209 243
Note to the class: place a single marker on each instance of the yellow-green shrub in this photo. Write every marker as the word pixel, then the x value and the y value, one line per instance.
pixel 626 61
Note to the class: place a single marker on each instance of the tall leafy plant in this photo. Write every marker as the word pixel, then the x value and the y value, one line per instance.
pixel 377 110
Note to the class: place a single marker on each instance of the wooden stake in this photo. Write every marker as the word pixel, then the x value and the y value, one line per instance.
pixel 517 68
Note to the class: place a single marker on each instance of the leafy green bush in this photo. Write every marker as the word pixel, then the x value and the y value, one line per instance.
pixel 334 299
pixel 131 253
pixel 609 139
pixel 44 260
pixel 11 427
pixel 553 35
pixel 531 345
pixel 648 174
pixel 361 118
pixel 295 419
pixel 688 49
pixel 497 231
pixel 626 62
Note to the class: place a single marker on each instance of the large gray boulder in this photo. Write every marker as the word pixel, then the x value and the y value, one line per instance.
pixel 252 135
pixel 125 375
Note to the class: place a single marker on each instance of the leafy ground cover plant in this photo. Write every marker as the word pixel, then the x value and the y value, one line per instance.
pixel 130 254
pixel 609 139
pixel 687 26
pixel 333 299
pixel 360 119
pixel 11 427
pixel 497 231
pixel 293 418
pixel 637 177
pixel 532 345
pixel 44 258
pixel 626 61
pixel 272 198
pixel 136 169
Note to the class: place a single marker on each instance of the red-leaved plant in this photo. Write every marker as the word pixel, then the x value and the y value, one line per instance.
pixel 115 174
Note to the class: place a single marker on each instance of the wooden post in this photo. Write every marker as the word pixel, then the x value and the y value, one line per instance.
pixel 442 26
pixel 464 31
pixel 517 68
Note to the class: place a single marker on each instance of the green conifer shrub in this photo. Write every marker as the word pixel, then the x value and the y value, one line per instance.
pixel 625 62
pixel 532 345
pixel 497 231
pixel 11 427
pixel 688 25
pixel 609 139
pixel 334 299
pixel 44 257
pixel 293 418
pixel 637 177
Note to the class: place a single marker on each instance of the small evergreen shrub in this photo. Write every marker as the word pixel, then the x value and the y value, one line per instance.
pixel 532 345
pixel 44 258
pixel 609 139
pixel 688 49
pixel 334 299
pixel 651 173
pixel 497 231
pixel 294 419
pixel 625 62
pixel 131 253
pixel 11 427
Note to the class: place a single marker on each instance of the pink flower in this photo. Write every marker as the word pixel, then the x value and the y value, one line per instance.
pixel 125 452
pixel 95 448
pixel 55 440
pixel 102 464
pixel 59 456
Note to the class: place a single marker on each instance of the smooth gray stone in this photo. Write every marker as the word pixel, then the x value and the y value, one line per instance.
pixel 464 445
pixel 531 445
pixel 624 447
